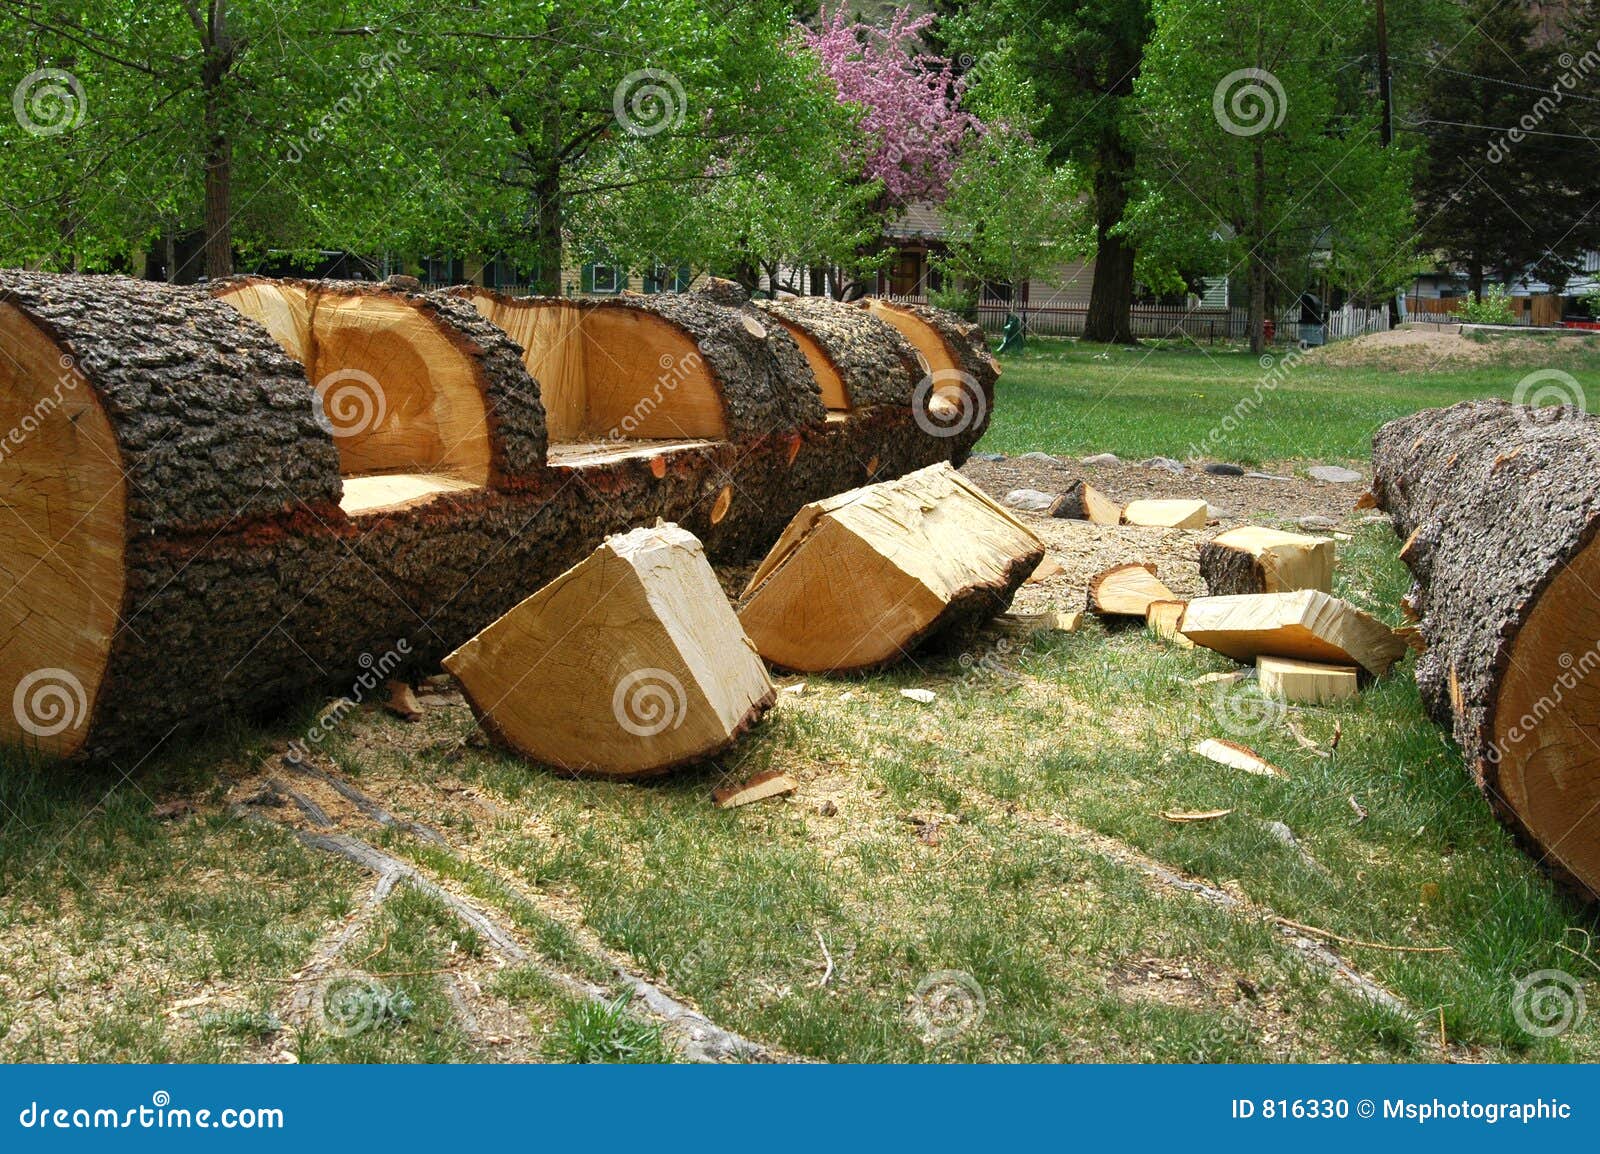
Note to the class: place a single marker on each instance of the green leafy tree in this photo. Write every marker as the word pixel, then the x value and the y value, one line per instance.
pixel 1250 160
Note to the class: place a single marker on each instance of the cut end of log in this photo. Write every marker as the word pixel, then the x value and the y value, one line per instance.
pixel 1083 502
pixel 1126 591
pixel 1163 618
pixel 629 664
pixel 858 580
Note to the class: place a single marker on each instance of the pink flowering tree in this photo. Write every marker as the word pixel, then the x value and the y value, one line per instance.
pixel 910 100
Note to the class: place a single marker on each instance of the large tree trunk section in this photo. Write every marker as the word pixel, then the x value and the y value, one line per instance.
pixel 955 396
pixel 669 366
pixel 252 573
pixel 409 383
pixel 1252 559
pixel 858 359
pixel 1500 506
pixel 158 445
pixel 629 664
pixel 861 579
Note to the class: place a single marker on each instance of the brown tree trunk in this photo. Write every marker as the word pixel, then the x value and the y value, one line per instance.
pixel 1109 320
pixel 547 224
pixel 1258 255
pixel 1500 506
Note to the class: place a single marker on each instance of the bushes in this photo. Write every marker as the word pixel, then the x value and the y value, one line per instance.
pixel 1491 307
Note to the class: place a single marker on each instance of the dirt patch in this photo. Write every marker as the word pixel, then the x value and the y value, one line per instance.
pixel 1427 346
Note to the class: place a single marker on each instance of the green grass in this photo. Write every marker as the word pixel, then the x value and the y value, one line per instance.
pixel 952 875
pixel 1074 399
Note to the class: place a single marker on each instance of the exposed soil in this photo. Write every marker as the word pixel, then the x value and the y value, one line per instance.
pixel 1425 346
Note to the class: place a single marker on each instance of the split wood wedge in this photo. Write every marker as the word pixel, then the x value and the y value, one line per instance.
pixel 859 580
pixel 629 664
pixel 1308 625
pixel 1127 591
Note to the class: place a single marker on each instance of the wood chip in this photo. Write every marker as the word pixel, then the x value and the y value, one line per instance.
pixel 1182 816
pixel 1045 570
pixel 1237 756
pixel 769 783
pixel 925 696
pixel 401 701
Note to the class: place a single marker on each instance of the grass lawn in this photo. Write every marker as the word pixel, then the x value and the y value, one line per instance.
pixel 950 883
pixel 1074 399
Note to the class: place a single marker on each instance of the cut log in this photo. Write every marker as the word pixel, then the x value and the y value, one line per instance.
pixel 1181 513
pixel 1502 508
pixel 197 534
pixel 860 580
pixel 858 359
pixel 629 664
pixel 1306 682
pixel 1257 560
pixel 769 783
pixel 1126 591
pixel 1163 618
pixel 1308 625
pixel 1083 502
pixel 957 389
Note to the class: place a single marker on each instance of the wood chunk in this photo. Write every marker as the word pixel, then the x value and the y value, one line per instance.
pixel 401 701
pixel 1306 682
pixel 861 579
pixel 1257 560
pixel 630 663
pixel 1182 513
pixel 1236 756
pixel 1163 618
pixel 1308 625
pixel 1181 817
pixel 1126 591
pixel 1047 568
pixel 768 783
pixel 1083 502
pixel 1049 621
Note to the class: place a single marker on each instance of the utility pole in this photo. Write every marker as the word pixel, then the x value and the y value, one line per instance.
pixel 1385 84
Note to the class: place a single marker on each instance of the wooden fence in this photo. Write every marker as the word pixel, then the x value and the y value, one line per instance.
pixel 1169 322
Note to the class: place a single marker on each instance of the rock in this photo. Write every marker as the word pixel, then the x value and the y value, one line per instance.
pixel 1030 499
pixel 1267 477
pixel 1315 522
pixel 1102 459
pixel 988 456
pixel 1222 469
pixel 1042 458
pixel 1164 463
pixel 1333 474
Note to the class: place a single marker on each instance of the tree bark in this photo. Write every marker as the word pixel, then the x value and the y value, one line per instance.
pixel 853 346
pixel 1500 506
pixel 1258 255
pixel 1109 320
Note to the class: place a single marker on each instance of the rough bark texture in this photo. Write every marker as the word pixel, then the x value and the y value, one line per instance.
pixel 510 394
pixel 1495 501
pixel 878 365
